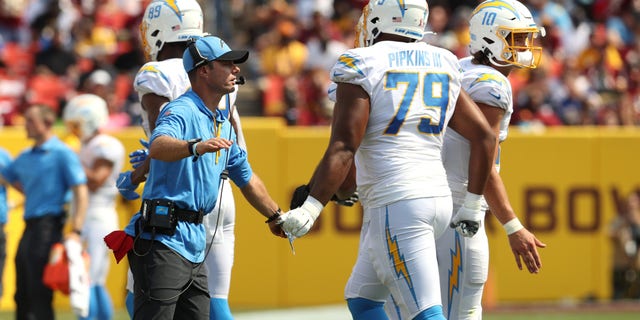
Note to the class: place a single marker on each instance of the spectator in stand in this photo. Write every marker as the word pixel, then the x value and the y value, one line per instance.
pixel 543 10
pixel 282 62
pixel 439 34
pixel 54 55
pixel 99 32
pixel 54 74
pixel 535 109
pixel 12 91
pixel 314 107
pixel 101 83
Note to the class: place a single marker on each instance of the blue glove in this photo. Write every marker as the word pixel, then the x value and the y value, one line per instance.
pixel 138 157
pixel 126 187
pixel 144 143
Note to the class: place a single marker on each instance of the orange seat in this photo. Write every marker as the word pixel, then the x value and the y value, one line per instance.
pixel 17 58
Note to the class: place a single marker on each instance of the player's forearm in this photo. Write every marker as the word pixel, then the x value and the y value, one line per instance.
pixel 139 174
pixel 331 173
pixel 496 195
pixel 482 164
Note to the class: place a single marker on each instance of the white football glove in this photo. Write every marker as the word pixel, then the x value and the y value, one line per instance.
pixel 298 222
pixel 469 217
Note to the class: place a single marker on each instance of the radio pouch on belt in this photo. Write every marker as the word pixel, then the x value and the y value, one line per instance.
pixel 158 215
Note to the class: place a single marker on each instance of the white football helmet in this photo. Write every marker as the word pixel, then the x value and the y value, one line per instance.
pixel 405 18
pixel 166 21
pixel 86 113
pixel 505 31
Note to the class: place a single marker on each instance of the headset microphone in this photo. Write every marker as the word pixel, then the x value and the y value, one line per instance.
pixel 240 80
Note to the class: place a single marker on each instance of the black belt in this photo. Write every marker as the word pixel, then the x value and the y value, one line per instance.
pixel 188 215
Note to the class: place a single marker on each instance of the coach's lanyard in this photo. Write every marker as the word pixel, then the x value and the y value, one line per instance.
pixel 217 127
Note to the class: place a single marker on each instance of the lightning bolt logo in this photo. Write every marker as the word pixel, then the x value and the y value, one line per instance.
pixel 454 272
pixel 152 69
pixel 487 77
pixel 496 4
pixel 350 62
pixel 399 264
pixel 174 7
pixel 149 68
pixel 402 6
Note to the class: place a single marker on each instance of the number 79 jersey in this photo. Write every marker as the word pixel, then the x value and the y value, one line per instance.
pixel 413 88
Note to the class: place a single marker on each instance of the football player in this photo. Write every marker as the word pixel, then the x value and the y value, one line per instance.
pixel 502 36
pixel 101 156
pixel 395 97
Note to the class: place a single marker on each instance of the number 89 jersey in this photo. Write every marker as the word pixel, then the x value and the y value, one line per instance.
pixel 413 88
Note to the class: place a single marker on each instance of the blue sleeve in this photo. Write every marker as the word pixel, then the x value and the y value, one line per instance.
pixel 72 169
pixel 8 173
pixel 171 121
pixel 239 169
pixel 5 158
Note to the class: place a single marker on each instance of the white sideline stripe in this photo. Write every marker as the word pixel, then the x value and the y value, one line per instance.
pixel 333 312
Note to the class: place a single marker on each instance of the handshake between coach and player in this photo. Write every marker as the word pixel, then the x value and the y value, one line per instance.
pixel 305 209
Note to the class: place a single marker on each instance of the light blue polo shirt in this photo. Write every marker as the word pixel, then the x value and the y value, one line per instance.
pixel 47 173
pixel 191 185
pixel 5 159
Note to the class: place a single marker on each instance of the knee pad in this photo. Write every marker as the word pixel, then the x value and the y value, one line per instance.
pixel 470 304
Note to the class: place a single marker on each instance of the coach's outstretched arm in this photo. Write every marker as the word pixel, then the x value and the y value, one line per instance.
pixel 257 195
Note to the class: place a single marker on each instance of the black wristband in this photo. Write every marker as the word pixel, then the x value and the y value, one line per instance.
pixel 274 216
pixel 190 144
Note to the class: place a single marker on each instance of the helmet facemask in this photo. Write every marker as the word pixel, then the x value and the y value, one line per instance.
pixel 505 32
pixel 519 48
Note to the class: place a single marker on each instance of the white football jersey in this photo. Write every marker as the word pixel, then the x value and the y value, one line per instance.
pixel 488 86
pixel 107 147
pixel 168 79
pixel 413 88
pixel 165 78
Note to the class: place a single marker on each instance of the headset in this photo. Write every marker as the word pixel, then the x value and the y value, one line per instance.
pixel 199 59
